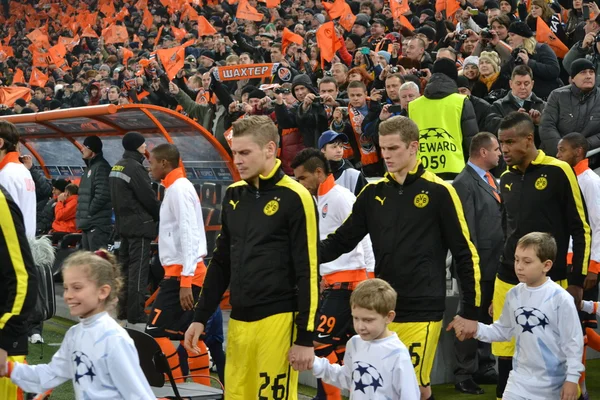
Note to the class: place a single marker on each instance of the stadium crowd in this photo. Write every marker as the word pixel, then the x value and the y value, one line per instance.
pixel 347 78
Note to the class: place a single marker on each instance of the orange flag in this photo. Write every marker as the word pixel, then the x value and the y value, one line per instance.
pixel 172 59
pixel 136 39
pixel 347 19
pixel 399 7
pixel 158 35
pixel 288 38
pixel 543 34
pixel 406 23
pixel 452 6
pixel 9 94
pixel 89 32
pixel 39 39
pixel 178 33
pixel 273 3
pixel 147 20
pixel 335 9
pixel 247 12
pixel 39 59
pixel 8 51
pixel 115 34
pixel 204 27
pixel 327 42
pixel 108 9
pixel 127 54
pixel 190 13
pixel 57 54
pixel 440 5
pixel 19 76
pixel 38 78
pixel 141 5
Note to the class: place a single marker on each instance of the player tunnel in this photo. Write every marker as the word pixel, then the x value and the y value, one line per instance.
pixel 54 138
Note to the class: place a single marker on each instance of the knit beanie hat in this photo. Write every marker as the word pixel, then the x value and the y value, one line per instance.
pixel 385 55
pixel 579 65
pixel 60 184
pixel 133 140
pixel 520 28
pixel 93 143
pixel 492 57
pixel 447 67
pixel 257 94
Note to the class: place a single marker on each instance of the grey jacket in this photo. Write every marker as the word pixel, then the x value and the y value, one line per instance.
pixel 576 52
pixel 570 110
pixel 501 108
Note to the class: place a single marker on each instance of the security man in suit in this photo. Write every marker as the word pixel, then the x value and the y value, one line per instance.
pixel 479 194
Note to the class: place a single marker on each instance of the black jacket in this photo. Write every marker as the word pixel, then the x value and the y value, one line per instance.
pixel 570 110
pixel 498 89
pixel 134 202
pixel 18 284
pixel 94 208
pixel 482 109
pixel 483 213
pixel 546 198
pixel 501 108
pixel 412 226
pixel 266 253
pixel 45 217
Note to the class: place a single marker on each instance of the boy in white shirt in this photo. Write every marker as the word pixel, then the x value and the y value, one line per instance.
pixel 377 364
pixel 541 315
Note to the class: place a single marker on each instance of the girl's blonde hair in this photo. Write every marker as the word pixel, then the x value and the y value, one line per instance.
pixel 101 268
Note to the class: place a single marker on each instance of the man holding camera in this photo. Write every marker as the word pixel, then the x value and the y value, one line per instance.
pixel 589 47
pixel 521 98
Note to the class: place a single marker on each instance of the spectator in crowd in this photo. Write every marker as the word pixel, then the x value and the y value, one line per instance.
pixel 520 98
pixel 18 289
pixel 570 109
pixel 136 211
pixel 480 197
pixel 46 217
pixel 481 107
pixel 589 47
pixel 537 56
pixel 65 211
pixel 43 187
pixel 94 211
pixel 445 135
pixel 316 111
pixel 492 83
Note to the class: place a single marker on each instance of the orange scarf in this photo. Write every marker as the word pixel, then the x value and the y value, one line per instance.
pixel 489 81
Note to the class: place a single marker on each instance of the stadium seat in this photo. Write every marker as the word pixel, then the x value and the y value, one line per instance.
pixel 211 194
pixel 155 366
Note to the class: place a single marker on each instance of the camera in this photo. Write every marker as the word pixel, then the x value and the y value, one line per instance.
pixel 462 37
pixel 394 70
pixel 516 55
pixel 328 73
pixel 343 110
pixel 239 107
pixel 317 99
pixel 420 74
pixel 299 50
pixel 486 34
pixel 281 90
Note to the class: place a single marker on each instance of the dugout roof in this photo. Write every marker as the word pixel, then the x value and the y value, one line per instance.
pixel 54 138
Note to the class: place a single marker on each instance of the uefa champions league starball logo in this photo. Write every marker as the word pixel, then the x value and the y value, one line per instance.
pixel 529 318
pixel 84 367
pixel 366 377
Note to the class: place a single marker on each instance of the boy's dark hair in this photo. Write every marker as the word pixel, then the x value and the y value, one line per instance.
pixel 11 136
pixel 542 243
pixel 577 141
pixel 72 189
pixel 357 84
pixel 311 159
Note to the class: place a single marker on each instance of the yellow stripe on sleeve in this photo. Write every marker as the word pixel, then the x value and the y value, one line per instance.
pixel 308 204
pixel 16 258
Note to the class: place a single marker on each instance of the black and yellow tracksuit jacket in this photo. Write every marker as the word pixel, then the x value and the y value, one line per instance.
pixel 412 226
pixel 266 253
pixel 546 198
pixel 18 285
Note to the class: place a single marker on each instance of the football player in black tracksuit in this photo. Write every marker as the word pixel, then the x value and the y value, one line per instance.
pixel 136 211
pixel 18 290
pixel 267 255
pixel 540 194
pixel 413 218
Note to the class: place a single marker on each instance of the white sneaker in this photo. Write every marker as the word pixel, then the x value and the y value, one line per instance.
pixel 36 338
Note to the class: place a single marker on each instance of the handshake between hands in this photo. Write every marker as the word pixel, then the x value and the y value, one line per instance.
pixel 463 328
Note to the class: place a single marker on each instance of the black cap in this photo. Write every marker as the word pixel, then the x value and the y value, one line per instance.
pixel 60 184
pixel 93 143
pixel 428 31
pixel 362 22
pixel 579 65
pixel 257 94
pixel 21 102
pixel 355 39
pixel 520 28
pixel 37 103
pixel 133 140
pixel 491 5
pixel 463 81
pixel 447 67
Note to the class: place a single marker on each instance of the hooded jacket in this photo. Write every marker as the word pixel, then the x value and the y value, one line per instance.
pixel 94 208
pixel 313 121
pixel 135 203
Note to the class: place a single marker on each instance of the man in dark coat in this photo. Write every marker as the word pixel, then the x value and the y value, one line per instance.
pixel 136 212
pixel 94 211
pixel 479 195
